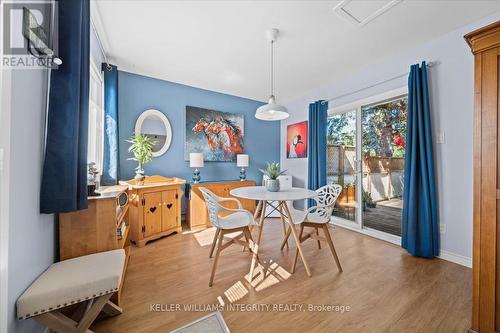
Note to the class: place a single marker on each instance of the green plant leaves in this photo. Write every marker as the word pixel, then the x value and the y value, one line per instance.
pixel 142 148
pixel 272 170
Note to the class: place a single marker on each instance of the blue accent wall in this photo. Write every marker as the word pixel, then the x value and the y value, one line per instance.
pixel 137 93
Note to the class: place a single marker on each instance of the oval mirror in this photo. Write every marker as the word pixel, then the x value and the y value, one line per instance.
pixel 155 125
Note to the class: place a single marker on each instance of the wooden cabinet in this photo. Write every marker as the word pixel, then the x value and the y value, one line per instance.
pixel 95 229
pixel 196 211
pixel 485 45
pixel 155 208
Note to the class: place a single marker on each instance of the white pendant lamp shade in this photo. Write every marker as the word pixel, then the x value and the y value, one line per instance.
pixel 272 111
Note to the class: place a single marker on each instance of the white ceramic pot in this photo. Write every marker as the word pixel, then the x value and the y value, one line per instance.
pixel 272 185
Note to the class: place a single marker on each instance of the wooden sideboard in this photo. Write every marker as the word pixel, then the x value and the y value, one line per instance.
pixel 485 45
pixel 155 208
pixel 196 211
pixel 94 229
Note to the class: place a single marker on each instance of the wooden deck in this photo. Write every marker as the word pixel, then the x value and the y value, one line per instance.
pixel 386 289
pixel 385 217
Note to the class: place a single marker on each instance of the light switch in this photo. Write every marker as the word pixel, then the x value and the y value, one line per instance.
pixel 440 138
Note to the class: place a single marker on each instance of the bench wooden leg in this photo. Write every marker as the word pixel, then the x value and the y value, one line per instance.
pixel 58 322
pixel 111 309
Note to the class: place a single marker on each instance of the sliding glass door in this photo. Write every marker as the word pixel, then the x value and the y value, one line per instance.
pixel 384 138
pixel 366 147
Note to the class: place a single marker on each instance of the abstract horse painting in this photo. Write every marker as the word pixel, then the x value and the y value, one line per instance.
pixel 218 135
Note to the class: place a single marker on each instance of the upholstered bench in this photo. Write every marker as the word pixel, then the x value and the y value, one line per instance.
pixel 90 280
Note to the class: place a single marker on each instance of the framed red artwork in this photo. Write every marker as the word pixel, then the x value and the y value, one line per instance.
pixel 296 140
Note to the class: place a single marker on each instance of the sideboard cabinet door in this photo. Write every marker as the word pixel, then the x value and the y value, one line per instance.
pixel 152 213
pixel 169 209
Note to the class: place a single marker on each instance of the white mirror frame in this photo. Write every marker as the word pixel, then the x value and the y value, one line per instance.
pixel 166 123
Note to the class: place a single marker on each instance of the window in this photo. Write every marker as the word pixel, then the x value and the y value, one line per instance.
pixel 96 117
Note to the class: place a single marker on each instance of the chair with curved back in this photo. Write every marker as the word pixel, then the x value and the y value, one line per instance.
pixel 238 220
pixel 316 217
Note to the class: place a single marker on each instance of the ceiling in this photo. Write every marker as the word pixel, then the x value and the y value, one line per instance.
pixel 221 45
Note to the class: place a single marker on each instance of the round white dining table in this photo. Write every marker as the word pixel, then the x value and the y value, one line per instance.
pixel 265 199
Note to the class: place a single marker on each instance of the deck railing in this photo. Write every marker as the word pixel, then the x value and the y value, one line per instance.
pixel 382 176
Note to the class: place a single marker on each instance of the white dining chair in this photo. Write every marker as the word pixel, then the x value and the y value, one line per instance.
pixel 238 220
pixel 316 217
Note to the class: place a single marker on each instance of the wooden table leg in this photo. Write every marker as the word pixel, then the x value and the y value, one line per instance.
pixel 282 220
pixel 257 213
pixel 297 240
pixel 257 210
pixel 261 220
pixel 256 245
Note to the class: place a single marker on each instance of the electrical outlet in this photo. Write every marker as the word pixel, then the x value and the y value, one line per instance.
pixel 442 228
pixel 440 138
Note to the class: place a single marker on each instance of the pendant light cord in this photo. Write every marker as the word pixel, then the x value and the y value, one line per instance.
pixel 272 68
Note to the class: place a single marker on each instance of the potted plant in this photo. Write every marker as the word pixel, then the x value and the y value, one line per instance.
pixel 272 172
pixel 142 147
pixel 368 200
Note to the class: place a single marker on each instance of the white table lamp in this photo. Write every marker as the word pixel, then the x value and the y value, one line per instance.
pixel 242 162
pixel 196 161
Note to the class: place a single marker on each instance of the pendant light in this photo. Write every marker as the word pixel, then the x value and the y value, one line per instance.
pixel 271 110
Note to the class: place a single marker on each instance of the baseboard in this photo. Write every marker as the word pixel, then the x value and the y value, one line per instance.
pixel 445 255
pixel 456 258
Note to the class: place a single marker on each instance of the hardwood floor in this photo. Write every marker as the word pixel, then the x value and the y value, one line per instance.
pixel 386 289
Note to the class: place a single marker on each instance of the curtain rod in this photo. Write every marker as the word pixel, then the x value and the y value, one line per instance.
pixel 429 64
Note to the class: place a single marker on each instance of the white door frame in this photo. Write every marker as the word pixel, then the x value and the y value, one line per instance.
pixel 356 106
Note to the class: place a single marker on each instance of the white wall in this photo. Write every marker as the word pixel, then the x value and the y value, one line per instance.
pixel 451 92
pixel 5 83
pixel 96 54
pixel 28 239
pixel 32 236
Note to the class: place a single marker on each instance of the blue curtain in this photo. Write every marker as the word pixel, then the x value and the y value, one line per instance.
pixel 110 161
pixel 420 225
pixel 64 179
pixel 317 146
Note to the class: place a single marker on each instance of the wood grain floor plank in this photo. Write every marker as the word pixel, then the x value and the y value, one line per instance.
pixel 387 289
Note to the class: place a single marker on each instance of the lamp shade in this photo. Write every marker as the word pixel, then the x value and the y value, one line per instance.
pixel 271 111
pixel 196 160
pixel 242 160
